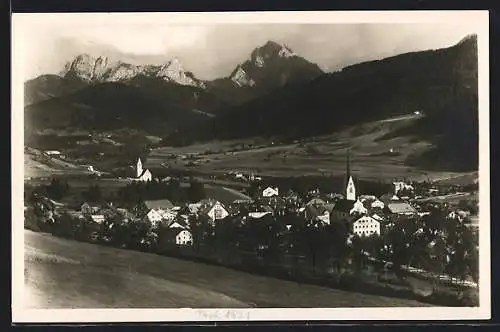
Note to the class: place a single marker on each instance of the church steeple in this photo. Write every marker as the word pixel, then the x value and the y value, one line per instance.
pixel 139 167
pixel 347 166
pixel 350 189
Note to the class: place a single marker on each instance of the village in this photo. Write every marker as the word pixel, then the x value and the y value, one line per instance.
pixel 405 230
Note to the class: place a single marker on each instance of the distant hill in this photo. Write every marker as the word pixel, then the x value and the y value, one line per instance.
pixel 441 83
pixel 49 86
pixel 143 103
pixel 269 67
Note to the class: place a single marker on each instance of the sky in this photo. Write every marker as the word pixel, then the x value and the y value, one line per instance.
pixel 213 50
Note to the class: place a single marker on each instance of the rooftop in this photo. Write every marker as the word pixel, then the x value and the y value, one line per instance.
pixel 159 204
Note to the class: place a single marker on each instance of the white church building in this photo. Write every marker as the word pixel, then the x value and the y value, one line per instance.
pixel 143 175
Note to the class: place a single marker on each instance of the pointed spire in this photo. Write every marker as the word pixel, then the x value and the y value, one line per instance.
pixel 350 188
pixel 347 167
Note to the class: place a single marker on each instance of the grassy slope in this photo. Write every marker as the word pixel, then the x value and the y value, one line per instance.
pixel 62 273
pixel 322 155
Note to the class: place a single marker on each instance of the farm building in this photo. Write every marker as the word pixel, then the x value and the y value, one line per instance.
pixel 366 226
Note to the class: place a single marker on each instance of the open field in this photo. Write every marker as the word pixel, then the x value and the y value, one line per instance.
pixel 35 166
pixel 223 194
pixel 372 158
pixel 61 273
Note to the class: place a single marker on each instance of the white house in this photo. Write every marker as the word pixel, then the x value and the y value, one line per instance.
pixel 184 237
pixel 398 186
pixel 366 226
pixel 270 191
pixel 258 215
pixel 194 207
pixel 154 217
pixel 53 153
pixel 358 208
pixel 98 218
pixel 168 214
pixel 213 209
pixel 377 204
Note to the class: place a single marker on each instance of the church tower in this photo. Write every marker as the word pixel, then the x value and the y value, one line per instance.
pixel 349 185
pixel 139 167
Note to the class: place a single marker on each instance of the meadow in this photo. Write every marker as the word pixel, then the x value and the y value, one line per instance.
pixel 375 155
pixel 62 273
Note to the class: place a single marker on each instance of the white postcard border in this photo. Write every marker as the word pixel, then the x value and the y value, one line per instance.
pixel 479 19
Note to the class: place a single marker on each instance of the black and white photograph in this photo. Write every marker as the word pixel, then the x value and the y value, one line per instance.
pixel 250 166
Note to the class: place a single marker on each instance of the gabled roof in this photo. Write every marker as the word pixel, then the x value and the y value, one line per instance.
pixel 316 201
pixel 365 218
pixel 257 215
pixel 180 222
pixel 144 171
pixel 159 204
pixel 400 208
pixel 208 205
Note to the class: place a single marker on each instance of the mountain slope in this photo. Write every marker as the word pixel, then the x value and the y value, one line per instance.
pixel 269 67
pixel 144 103
pixel 48 86
pixel 441 83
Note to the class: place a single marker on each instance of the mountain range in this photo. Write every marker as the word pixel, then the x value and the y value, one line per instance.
pixel 274 93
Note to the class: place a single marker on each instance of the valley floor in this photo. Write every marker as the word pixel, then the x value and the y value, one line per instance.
pixel 61 273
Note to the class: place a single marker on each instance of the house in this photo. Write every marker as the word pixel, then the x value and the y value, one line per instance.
pixel 177 236
pixel 270 191
pixel 98 218
pixel 168 215
pixel 459 215
pixel 365 198
pixel 400 209
pixel 215 210
pixel 316 202
pixel 366 226
pixel 53 153
pixel 179 223
pixel 143 175
pixel 184 238
pixel 377 204
pixel 194 207
pixel 402 186
pixel 87 209
pixel 154 217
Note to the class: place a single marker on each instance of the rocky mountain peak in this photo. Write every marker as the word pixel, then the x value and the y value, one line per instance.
pixel 100 69
pixel 270 50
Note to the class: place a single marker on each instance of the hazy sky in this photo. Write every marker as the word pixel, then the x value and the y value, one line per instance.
pixel 213 50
